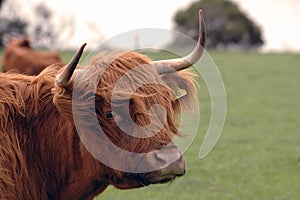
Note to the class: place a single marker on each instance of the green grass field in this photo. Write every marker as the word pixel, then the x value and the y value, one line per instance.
pixel 258 153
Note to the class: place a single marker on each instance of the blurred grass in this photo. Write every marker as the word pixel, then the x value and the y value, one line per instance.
pixel 258 154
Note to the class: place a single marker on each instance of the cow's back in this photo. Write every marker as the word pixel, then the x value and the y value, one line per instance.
pixel 26 60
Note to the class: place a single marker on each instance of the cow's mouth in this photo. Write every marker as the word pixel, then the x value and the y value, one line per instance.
pixel 174 170
pixel 148 181
pixel 167 164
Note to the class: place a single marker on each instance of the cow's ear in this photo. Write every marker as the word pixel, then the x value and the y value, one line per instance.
pixel 63 78
pixel 183 86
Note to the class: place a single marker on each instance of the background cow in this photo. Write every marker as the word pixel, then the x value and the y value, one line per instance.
pixel 19 56
pixel 43 151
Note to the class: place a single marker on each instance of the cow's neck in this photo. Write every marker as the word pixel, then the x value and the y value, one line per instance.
pixel 61 163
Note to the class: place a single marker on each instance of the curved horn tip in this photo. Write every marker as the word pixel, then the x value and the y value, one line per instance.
pixel 64 77
pixel 187 61
pixel 200 13
pixel 83 45
pixel 201 19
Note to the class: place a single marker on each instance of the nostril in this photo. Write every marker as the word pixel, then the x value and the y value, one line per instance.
pixel 160 157
pixel 182 161
pixel 169 157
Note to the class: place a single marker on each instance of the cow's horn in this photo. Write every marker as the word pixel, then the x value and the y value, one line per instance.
pixel 64 77
pixel 171 65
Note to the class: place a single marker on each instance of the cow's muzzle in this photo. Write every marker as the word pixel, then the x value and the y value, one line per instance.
pixel 168 163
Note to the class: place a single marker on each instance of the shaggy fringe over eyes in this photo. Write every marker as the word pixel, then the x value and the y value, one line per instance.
pixel 119 74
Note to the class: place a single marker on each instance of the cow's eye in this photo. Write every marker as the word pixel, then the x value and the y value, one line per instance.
pixel 109 115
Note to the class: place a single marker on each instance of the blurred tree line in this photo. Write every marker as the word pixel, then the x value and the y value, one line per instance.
pixel 46 27
pixel 227 26
pixel 40 25
pixel 10 24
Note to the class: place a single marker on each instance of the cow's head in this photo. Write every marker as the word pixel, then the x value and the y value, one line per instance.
pixel 126 113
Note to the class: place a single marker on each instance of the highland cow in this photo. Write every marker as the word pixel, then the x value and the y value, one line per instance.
pixel 49 139
pixel 18 56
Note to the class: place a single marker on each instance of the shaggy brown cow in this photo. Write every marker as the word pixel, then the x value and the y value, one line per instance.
pixel 19 56
pixel 47 126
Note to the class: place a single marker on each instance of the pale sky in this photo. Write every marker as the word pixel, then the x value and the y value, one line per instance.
pixel 279 19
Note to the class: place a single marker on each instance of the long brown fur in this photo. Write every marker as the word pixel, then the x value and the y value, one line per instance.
pixel 41 155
